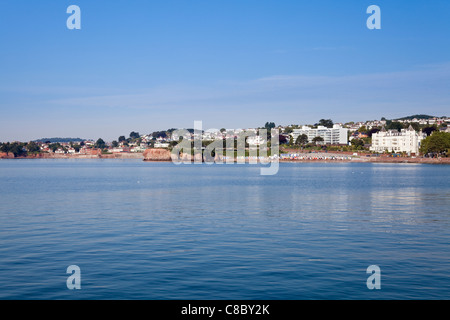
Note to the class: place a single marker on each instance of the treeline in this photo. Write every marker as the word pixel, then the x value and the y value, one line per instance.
pixel 59 140
pixel 428 129
pixel 134 137
pixel 19 148
pixel 437 144
pixel 418 116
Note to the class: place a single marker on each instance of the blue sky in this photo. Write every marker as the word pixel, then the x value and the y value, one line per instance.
pixel 151 65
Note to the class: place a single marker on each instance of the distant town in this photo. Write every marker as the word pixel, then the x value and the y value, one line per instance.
pixel 413 136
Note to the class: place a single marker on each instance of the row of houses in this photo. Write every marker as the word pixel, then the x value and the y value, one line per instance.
pixel 212 134
pixel 407 140
pixel 368 124
pixel 431 121
pixel 88 148
pixel 352 126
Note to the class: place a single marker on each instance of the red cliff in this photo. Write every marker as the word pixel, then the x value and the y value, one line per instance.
pixel 6 155
pixel 157 155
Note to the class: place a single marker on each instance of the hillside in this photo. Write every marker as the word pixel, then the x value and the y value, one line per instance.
pixel 60 140
pixel 417 116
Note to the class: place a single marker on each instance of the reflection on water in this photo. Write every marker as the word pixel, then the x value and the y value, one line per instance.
pixel 158 231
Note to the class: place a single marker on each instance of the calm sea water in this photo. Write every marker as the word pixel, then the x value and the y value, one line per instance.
pixel 141 230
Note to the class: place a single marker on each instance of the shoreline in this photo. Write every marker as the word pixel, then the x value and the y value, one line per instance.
pixel 375 160
pixel 355 159
pixel 299 158
pixel 78 156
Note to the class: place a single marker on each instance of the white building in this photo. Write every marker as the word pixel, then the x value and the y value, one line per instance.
pixel 407 140
pixel 335 135
pixel 161 145
pixel 255 140
pixel 117 150
pixel 139 148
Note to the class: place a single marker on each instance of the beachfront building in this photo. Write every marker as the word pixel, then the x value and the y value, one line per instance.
pixel 335 135
pixel 161 145
pixel 406 140
pixel 255 141
pixel 117 150
pixel 136 149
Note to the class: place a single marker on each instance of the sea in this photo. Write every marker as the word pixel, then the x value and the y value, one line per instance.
pixel 159 231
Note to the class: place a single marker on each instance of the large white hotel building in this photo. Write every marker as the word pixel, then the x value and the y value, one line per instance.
pixel 407 140
pixel 335 135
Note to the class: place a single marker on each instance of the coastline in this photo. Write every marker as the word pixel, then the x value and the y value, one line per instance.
pixel 307 158
pixel 354 160
pixel 79 156
pixel 374 160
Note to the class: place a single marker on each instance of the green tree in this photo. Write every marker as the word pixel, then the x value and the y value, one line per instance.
pixel 301 140
pixel 134 135
pixel 269 126
pixel 317 140
pixel 32 147
pixel 18 149
pixel 54 146
pixel 438 142
pixel 100 144
pixel 362 129
pixel 282 139
pixel 326 123
pixel 394 125
pixel 429 130
pixel 122 138
pixel 372 131
pixel 5 147
pixel 357 143
pixel 77 147
pixel 205 143
pixel 288 130
pixel 161 134
pixel 115 144
pixel 415 126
